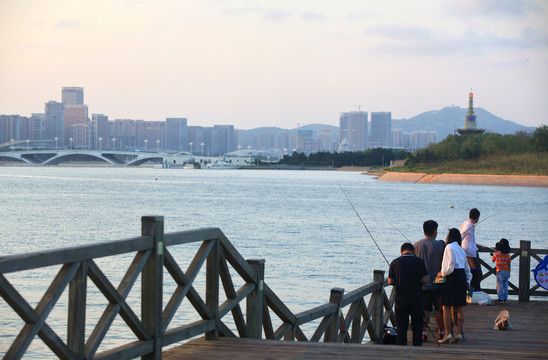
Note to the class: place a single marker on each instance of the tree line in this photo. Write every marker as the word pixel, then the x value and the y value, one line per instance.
pixel 453 147
pixel 467 147
pixel 369 157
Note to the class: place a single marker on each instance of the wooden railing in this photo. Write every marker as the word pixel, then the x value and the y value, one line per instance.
pixel 152 329
pixel 524 253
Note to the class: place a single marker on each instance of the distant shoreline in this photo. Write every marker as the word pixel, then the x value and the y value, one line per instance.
pixel 466 179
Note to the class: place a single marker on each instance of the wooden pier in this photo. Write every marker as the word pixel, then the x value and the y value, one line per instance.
pixel 527 340
pixel 233 309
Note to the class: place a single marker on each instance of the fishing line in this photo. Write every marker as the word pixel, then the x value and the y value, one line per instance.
pixel 359 217
pixel 409 241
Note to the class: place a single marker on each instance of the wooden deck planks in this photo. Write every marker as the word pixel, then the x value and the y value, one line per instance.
pixel 528 339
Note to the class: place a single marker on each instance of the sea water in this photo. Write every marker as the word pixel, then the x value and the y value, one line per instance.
pixel 310 235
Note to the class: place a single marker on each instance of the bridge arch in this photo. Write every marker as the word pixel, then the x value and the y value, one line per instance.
pixel 141 160
pixel 59 159
pixel 12 158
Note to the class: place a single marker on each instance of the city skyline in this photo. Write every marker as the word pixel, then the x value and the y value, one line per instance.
pixel 281 63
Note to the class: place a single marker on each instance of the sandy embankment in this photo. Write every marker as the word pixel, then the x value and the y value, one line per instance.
pixel 467 179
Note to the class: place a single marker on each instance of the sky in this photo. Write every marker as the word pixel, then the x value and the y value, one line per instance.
pixel 277 63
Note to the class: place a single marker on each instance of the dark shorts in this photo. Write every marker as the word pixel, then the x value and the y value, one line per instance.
pixel 432 300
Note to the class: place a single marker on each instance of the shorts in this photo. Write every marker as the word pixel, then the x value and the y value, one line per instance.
pixel 432 300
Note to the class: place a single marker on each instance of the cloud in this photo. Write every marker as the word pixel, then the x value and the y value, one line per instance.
pixel 401 32
pixel 489 8
pixel 420 41
pixel 275 15
pixel 67 24
pixel 272 14
pixel 312 16
pixel 268 14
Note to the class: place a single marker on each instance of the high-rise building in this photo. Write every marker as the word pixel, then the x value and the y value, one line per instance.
pixel 265 141
pixel 353 128
pixel 54 123
pixel 176 134
pixel 223 139
pixel 421 139
pixel 74 115
pixel 304 141
pixel 124 133
pixel 9 128
pixel 286 141
pixel 80 135
pixel 326 140
pixel 36 126
pixel 100 131
pixel 151 134
pixel 72 95
pixel 381 135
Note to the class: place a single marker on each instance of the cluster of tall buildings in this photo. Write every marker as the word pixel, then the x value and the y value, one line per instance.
pixel 68 124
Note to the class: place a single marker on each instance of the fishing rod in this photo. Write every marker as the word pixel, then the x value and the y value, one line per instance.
pixel 359 217
pixel 431 332
pixel 409 241
pixel 479 222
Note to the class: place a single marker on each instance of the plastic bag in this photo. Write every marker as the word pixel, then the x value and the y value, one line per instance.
pixel 480 298
pixel 502 322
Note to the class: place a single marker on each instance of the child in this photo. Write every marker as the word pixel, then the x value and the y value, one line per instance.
pixel 502 260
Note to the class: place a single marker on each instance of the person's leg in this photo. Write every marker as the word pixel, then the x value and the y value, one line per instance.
pixel 460 324
pixel 475 269
pixel 505 278
pixel 402 319
pixel 438 307
pixel 428 297
pixel 500 286
pixel 417 321
pixel 447 322
pixel 460 321
pixel 439 322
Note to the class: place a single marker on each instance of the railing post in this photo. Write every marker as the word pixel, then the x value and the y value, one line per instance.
pixel 212 287
pixel 332 331
pixel 377 315
pixel 76 335
pixel 524 270
pixel 254 309
pixel 152 284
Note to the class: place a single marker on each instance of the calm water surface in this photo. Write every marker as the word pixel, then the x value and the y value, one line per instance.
pixel 298 221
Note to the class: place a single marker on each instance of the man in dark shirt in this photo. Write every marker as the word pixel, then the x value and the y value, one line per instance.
pixel 407 273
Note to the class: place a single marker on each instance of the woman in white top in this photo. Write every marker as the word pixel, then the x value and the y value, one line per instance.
pixel 455 269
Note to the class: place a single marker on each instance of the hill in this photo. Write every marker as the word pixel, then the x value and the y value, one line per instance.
pixel 445 121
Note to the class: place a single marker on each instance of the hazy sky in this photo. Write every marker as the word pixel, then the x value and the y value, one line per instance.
pixel 276 63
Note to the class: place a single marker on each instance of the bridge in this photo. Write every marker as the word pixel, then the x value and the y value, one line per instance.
pixel 123 158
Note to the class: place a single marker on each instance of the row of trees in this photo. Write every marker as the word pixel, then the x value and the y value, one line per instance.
pixel 466 147
pixel 369 157
pixel 453 147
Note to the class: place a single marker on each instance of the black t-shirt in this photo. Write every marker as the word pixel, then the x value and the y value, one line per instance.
pixel 407 272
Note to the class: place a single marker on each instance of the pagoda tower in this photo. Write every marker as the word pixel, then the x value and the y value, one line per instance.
pixel 470 125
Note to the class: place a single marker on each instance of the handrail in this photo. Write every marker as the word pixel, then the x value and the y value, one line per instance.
pixel 153 252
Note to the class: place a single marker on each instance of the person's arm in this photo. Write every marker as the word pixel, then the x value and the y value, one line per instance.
pixel 391 281
pixel 467 271
pixel 448 262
